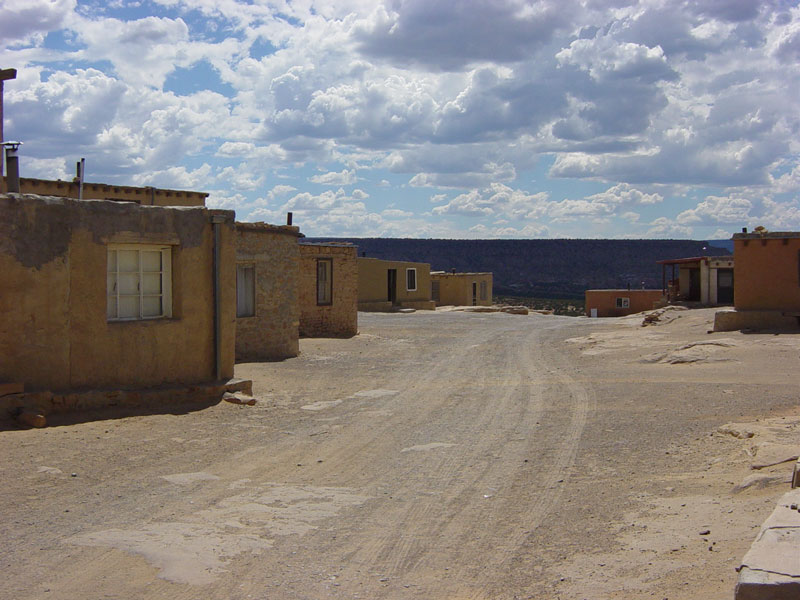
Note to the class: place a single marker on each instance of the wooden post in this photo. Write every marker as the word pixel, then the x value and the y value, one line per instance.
pixel 5 74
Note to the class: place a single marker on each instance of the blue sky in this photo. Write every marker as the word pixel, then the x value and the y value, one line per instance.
pixel 423 118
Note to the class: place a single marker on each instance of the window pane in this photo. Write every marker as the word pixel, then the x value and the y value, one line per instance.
pixel 151 260
pixel 151 306
pixel 129 307
pixel 151 283
pixel 111 310
pixel 245 290
pixel 324 282
pixel 111 283
pixel 128 283
pixel 112 261
pixel 128 261
pixel 411 279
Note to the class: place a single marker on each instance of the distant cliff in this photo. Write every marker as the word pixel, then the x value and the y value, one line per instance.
pixel 542 268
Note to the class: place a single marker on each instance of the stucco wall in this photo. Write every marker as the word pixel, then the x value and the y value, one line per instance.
pixel 456 288
pixel 55 334
pixel 767 272
pixel 273 332
pixel 373 288
pixel 605 301
pixel 103 191
pixel 340 318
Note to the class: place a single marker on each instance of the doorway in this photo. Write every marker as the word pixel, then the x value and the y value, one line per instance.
pixel 724 286
pixel 391 284
pixel 474 293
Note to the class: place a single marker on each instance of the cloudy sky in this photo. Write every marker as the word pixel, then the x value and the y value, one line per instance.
pixel 423 118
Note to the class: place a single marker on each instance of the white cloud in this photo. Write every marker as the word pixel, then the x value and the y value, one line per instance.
pixel 332 178
pixel 29 20
pixel 716 210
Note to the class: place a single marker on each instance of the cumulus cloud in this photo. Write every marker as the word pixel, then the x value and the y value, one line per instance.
pixel 467 99
pixel 332 178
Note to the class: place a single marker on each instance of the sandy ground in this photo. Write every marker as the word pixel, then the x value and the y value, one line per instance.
pixel 435 455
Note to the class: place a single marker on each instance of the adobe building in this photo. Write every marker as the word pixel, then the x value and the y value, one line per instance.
pixel 461 289
pixel 121 193
pixel 707 280
pixel 384 285
pixel 103 295
pixel 328 290
pixel 619 303
pixel 767 286
pixel 267 295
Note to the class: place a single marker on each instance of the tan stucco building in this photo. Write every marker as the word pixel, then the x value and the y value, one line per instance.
pixel 328 290
pixel 461 289
pixel 103 294
pixel 387 284
pixel 149 196
pixel 707 280
pixel 618 303
pixel 767 286
pixel 267 294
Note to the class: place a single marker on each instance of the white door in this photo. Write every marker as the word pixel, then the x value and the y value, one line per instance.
pixel 593 313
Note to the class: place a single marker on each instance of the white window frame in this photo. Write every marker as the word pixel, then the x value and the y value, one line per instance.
pixel 251 291
pixel 623 302
pixel 408 272
pixel 113 277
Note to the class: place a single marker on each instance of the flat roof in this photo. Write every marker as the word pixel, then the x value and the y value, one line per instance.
pixel 766 235
pixel 269 228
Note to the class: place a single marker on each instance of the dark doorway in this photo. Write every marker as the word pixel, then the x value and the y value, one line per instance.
pixel 474 293
pixel 724 286
pixel 694 285
pixel 392 286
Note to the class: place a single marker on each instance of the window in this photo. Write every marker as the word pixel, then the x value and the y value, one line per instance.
pixel 411 280
pixel 324 281
pixel 139 282
pixel 483 290
pixel 623 302
pixel 245 290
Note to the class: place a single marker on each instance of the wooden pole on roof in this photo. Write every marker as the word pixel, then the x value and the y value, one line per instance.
pixel 5 75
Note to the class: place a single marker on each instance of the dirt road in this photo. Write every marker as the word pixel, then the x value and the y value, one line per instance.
pixel 435 455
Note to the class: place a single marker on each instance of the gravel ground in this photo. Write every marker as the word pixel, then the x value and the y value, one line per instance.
pixel 435 455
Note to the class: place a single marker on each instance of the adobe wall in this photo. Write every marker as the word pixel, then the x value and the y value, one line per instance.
pixel 55 334
pixel 273 332
pixel 102 191
pixel 605 301
pixel 456 288
pixel 767 272
pixel 373 290
pixel 340 318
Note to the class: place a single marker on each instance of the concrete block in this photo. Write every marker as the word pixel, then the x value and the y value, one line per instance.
pixel 771 568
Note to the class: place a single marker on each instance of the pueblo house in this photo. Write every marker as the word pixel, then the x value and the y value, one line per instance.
pixel 385 285
pixel 767 286
pixel 107 295
pixel 461 289
pixel 618 303
pixel 328 290
pixel 707 280
pixel 267 294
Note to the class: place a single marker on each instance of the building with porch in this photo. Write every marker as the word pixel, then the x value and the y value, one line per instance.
pixel 706 280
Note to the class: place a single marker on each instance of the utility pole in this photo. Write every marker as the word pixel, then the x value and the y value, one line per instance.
pixel 5 74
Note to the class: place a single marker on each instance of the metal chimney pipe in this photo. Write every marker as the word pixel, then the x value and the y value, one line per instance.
pixel 288 218
pixel 12 164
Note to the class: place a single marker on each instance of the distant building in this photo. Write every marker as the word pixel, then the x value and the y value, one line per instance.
pixel 328 290
pixel 618 303
pixel 101 295
pixel 767 287
pixel 461 289
pixel 707 280
pixel 267 299
pixel 387 284
pixel 120 193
